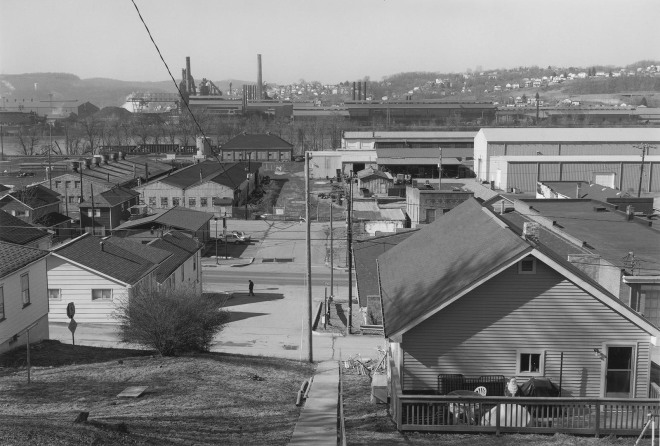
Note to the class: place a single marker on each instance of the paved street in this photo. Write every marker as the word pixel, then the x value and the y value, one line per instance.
pixel 273 323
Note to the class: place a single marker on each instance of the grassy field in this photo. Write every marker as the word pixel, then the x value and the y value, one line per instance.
pixel 198 399
pixel 368 423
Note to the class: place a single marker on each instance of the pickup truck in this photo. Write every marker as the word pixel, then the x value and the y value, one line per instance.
pixel 237 238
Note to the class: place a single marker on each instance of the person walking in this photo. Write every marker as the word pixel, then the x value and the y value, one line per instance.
pixel 251 288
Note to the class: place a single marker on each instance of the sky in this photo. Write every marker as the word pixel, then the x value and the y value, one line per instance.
pixel 320 40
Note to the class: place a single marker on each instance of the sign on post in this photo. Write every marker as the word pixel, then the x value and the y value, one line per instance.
pixel 70 312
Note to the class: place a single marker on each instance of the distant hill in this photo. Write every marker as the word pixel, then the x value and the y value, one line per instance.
pixel 101 92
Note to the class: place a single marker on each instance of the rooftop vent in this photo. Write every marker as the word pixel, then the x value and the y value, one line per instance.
pixel 531 231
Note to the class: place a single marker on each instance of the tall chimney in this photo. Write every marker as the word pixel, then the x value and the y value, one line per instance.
pixel 188 86
pixel 359 94
pixel 353 90
pixel 259 79
pixel 364 91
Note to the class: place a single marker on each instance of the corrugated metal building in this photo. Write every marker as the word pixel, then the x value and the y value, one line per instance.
pixel 517 158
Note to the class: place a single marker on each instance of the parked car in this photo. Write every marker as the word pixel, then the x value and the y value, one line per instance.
pixel 232 238
pixel 243 236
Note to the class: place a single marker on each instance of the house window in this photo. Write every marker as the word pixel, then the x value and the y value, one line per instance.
pixel 203 202
pixel 20 213
pixel 529 362
pixel 430 215
pixel 152 201
pixel 101 294
pixel 72 199
pixel 192 202
pixel 527 266
pixel 57 184
pixel 67 184
pixel 645 299
pixel 175 201
pixel 76 184
pixel 2 303
pixel 25 289
pixel 54 294
pixel 164 202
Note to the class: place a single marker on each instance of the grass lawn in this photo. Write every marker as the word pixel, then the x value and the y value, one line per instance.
pixel 209 398
pixel 368 423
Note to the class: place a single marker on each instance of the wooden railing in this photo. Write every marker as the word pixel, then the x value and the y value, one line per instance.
pixel 654 393
pixel 592 416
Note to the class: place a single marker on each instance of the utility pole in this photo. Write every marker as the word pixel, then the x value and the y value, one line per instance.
pixel 440 168
pixel 537 108
pixel 91 186
pixel 309 261
pixel 332 256
pixel 50 148
pixel 644 147
pixel 349 235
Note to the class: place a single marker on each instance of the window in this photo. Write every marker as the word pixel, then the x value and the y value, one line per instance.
pixel 645 299
pixel 76 184
pixel 97 212
pixel 54 294
pixel 175 201
pixel 67 184
pixel 102 294
pixel 204 202
pixel 25 289
pixel 72 199
pixel 152 201
pixel 530 362
pixel 527 266
pixel 164 202
pixel 2 303
pixel 430 215
pixel 57 184
pixel 192 202
pixel 20 213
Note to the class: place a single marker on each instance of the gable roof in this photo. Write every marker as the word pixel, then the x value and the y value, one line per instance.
pixel 14 257
pixel 180 246
pixel 15 230
pixel 177 217
pixel 365 253
pixel 35 197
pixel 52 219
pixel 441 259
pixel 125 261
pixel 111 197
pixel 195 174
pixel 236 174
pixel 256 141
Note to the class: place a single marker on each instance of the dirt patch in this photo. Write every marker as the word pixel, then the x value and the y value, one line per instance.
pixel 196 399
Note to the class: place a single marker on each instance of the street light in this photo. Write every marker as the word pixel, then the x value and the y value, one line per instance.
pixel 216 239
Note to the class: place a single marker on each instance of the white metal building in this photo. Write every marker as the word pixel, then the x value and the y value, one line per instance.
pixel 518 158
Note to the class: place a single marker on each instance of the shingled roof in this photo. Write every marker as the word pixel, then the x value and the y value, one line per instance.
pixel 123 260
pixel 180 246
pixel 257 141
pixel 14 257
pixel 440 260
pixel 112 197
pixel 15 230
pixel 34 197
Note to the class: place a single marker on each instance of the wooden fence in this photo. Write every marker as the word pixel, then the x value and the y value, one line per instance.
pixel 592 416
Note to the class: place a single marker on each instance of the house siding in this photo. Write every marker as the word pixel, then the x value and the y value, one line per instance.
pixel 480 333
pixel 17 317
pixel 75 285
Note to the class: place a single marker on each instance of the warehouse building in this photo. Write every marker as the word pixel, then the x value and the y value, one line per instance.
pixel 515 159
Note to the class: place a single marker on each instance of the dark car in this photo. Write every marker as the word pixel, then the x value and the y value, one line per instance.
pixel 299 159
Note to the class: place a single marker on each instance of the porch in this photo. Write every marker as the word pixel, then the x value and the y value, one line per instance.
pixel 488 414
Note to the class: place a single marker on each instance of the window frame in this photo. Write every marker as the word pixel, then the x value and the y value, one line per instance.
pixel 59 294
pixel 192 202
pixel 164 202
pixel 152 201
pixel 530 351
pixel 102 298
pixel 25 291
pixel 3 315
pixel 521 270
pixel 176 201
pixel 203 202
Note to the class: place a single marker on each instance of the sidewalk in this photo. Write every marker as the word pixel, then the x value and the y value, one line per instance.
pixel 317 424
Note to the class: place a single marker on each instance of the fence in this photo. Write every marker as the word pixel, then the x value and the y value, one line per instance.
pixel 445 413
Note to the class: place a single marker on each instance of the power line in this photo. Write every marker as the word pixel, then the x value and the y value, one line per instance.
pixel 180 93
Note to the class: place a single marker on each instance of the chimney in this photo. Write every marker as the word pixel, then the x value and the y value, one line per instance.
pixel 364 91
pixel 88 163
pixel 105 159
pixel 188 86
pixel 75 165
pixel 353 90
pixel 630 212
pixel 122 155
pixel 101 243
pixel 259 79
pixel 359 93
pixel 531 231
pixel 113 156
pixel 96 160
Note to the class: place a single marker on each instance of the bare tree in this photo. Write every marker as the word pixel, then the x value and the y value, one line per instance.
pixel 91 129
pixel 28 138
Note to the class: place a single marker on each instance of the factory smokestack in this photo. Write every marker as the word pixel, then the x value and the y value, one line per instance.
pixel 353 90
pixel 364 91
pixel 260 94
pixel 359 93
pixel 188 86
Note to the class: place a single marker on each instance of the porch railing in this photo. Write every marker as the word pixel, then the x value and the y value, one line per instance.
pixel 592 416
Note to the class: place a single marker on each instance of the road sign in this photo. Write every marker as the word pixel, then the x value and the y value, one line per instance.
pixel 72 325
pixel 70 310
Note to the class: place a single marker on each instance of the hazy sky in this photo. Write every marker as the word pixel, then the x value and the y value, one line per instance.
pixel 324 40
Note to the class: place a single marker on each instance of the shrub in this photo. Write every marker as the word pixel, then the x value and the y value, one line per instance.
pixel 171 321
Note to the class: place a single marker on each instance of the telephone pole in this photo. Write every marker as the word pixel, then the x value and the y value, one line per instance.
pixel 310 353
pixel 349 235
pixel 644 147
